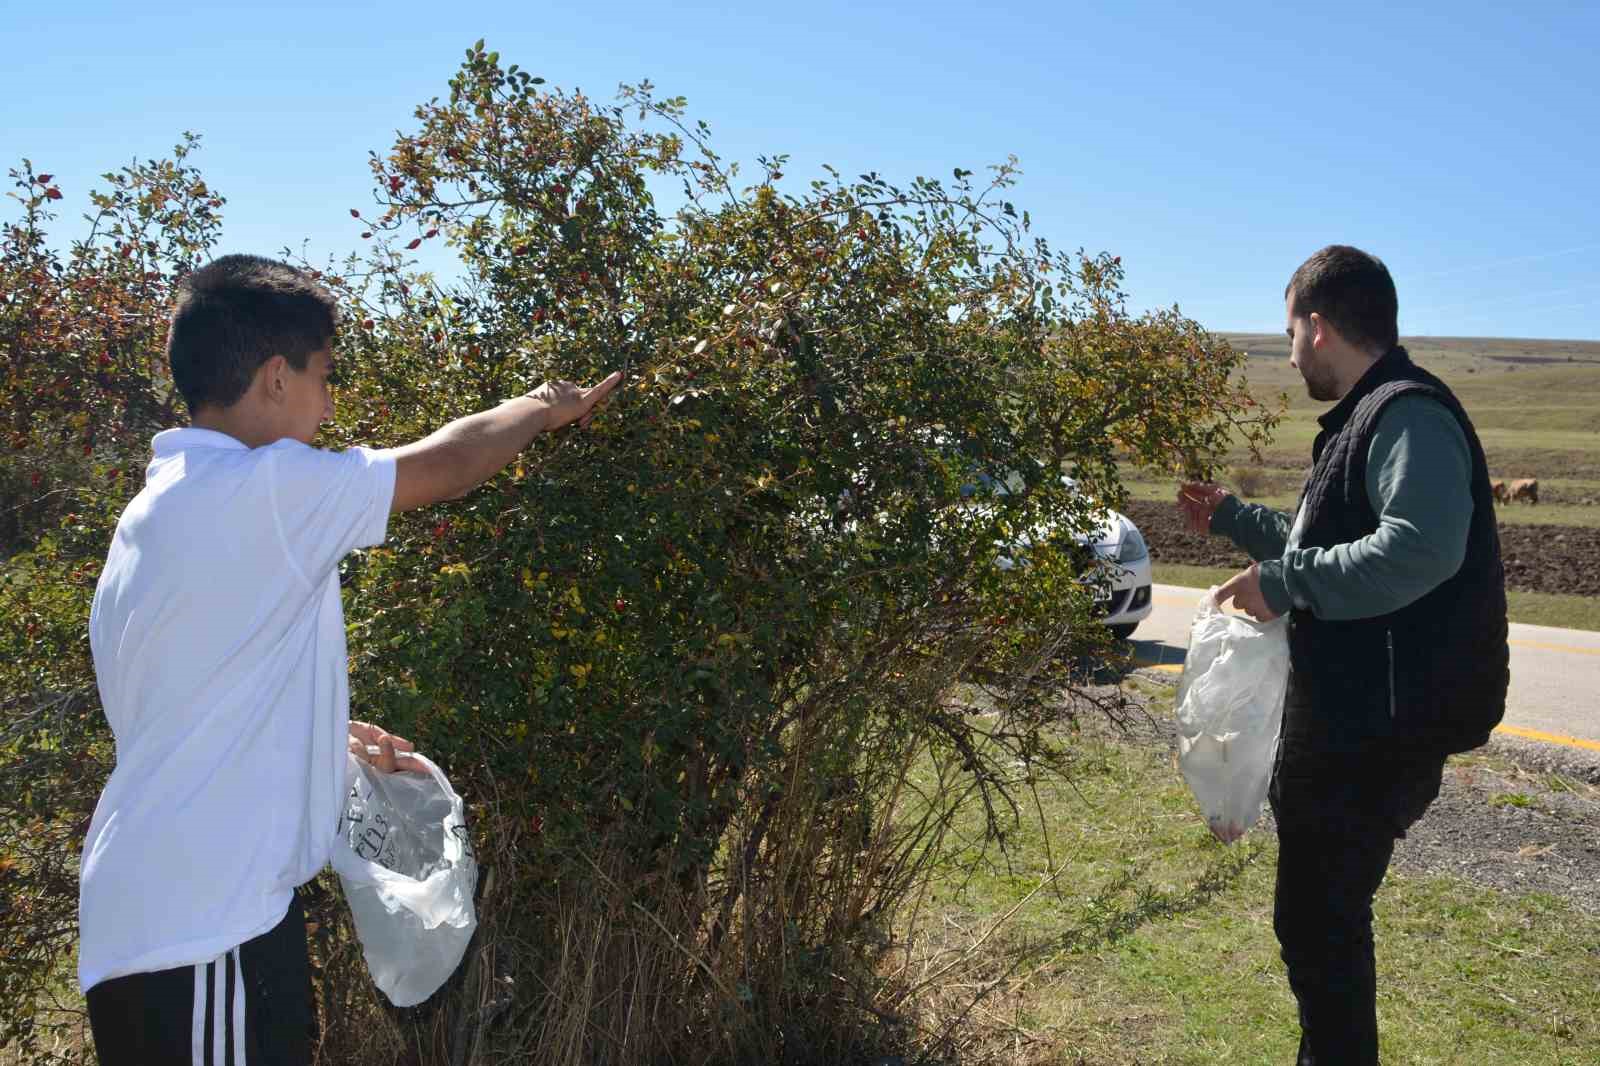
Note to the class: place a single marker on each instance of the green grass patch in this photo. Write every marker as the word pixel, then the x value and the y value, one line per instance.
pixel 1193 577
pixel 1530 608
pixel 1553 609
pixel 1145 941
pixel 1549 514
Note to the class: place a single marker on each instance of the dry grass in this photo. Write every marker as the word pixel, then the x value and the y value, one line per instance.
pixel 782 952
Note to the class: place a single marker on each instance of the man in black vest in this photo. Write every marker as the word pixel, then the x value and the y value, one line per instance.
pixel 1390 573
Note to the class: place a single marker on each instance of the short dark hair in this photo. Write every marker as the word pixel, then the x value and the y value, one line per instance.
pixel 1353 291
pixel 234 314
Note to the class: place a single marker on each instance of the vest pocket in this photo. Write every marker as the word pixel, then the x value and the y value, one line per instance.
pixel 1388 637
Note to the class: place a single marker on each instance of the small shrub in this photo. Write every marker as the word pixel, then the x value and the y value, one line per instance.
pixel 1249 481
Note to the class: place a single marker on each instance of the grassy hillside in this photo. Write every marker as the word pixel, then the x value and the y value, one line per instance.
pixel 1536 405
pixel 1534 402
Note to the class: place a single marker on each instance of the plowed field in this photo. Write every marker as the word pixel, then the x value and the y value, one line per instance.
pixel 1537 558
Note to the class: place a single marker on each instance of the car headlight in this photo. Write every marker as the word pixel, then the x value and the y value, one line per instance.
pixel 1132 548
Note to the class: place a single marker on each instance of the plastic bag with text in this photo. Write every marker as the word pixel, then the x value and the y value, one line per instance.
pixel 406 864
pixel 1230 708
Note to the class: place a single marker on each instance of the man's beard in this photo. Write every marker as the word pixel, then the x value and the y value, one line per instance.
pixel 1320 383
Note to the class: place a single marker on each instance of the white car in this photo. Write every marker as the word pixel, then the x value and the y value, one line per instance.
pixel 1124 558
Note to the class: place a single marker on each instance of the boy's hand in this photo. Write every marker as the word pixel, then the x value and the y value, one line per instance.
pixel 1199 501
pixel 391 754
pixel 1244 589
pixel 455 459
pixel 567 403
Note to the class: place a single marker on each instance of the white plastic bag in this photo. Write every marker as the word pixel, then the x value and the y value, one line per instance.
pixel 408 871
pixel 1230 708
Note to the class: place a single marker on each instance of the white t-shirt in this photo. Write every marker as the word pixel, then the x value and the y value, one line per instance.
pixel 218 641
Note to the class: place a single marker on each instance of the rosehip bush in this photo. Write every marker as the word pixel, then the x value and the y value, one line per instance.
pixel 83 387
pixel 689 661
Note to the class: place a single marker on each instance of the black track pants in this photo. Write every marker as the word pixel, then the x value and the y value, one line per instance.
pixel 248 1007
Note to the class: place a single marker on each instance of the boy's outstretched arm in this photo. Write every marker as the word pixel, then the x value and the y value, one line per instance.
pixel 458 457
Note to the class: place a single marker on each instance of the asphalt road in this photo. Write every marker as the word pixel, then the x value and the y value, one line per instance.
pixel 1555 673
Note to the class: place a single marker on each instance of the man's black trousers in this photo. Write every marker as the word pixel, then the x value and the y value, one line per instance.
pixel 1338 820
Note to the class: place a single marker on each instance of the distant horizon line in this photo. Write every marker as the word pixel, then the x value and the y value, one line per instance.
pixel 1426 336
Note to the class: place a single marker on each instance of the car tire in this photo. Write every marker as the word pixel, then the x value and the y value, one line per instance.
pixel 1123 632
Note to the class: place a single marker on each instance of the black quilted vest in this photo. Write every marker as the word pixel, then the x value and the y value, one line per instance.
pixel 1431 677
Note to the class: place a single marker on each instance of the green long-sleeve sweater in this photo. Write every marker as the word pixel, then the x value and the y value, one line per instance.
pixel 1419 474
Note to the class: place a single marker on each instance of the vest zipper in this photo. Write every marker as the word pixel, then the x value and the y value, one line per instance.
pixel 1389 638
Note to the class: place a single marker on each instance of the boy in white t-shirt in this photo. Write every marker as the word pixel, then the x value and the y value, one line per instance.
pixel 218 641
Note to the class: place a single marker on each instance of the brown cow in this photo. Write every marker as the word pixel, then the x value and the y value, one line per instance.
pixel 1525 488
pixel 1501 494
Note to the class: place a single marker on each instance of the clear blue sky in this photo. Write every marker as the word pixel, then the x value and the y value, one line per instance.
pixel 1212 146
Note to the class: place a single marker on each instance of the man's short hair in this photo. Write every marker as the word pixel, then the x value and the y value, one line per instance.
pixel 1353 291
pixel 234 314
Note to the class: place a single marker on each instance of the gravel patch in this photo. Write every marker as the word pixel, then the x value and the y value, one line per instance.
pixel 1515 818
